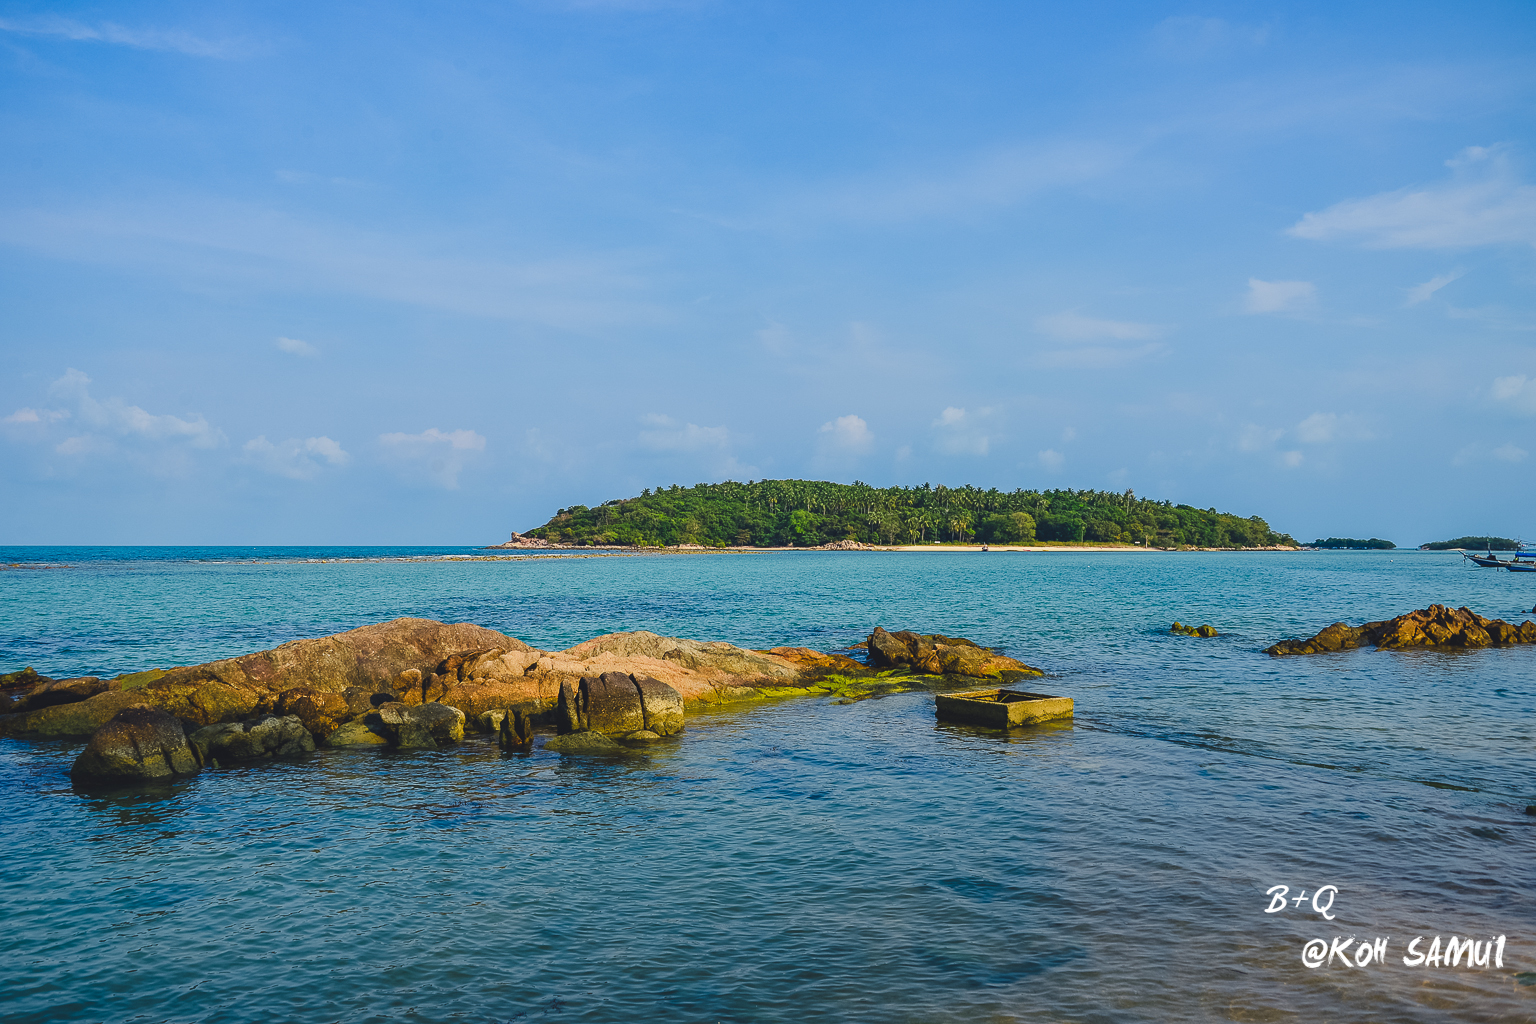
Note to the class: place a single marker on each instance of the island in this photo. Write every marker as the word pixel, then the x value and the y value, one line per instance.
pixel 814 513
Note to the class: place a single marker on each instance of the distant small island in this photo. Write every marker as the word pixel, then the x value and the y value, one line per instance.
pixel 810 513
pixel 1473 543
pixel 1374 544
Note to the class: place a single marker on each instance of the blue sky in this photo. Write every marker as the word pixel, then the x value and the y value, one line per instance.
pixel 389 273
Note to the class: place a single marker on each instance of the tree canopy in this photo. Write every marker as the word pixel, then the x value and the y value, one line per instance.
pixel 1471 543
pixel 1374 544
pixel 807 513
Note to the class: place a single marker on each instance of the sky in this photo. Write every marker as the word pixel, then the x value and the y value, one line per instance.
pixel 386 273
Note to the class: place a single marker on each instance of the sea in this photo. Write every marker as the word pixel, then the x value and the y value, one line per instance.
pixel 1216 835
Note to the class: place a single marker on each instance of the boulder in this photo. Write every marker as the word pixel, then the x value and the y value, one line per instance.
pixel 320 713
pixel 371 657
pixel 267 736
pixel 139 743
pixel 515 730
pixel 582 743
pixel 937 654
pixel 50 692
pixel 356 733
pixel 617 705
pixel 813 663
pixel 423 727
pixel 25 680
pixel 1200 631
pixel 77 721
pixel 1435 626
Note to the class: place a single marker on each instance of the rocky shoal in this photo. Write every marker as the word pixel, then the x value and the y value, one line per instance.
pixel 1435 626
pixel 416 683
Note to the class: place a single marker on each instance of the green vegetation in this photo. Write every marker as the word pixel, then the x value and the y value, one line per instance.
pixel 1374 544
pixel 806 513
pixel 1471 543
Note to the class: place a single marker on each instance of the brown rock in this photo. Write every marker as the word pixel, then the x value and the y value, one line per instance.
pixel 371 657
pixel 814 662
pixel 1435 626
pixel 50 692
pixel 319 712
pixel 139 743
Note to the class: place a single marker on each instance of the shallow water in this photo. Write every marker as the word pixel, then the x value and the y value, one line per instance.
pixel 800 859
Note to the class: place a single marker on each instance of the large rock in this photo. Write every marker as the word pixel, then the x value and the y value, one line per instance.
pixel 587 742
pixel 423 727
pixel 77 721
pixel 50 692
pixel 138 744
pixel 267 736
pixel 1435 626
pixel 620 705
pixel 937 654
pixel 357 734
pixel 370 657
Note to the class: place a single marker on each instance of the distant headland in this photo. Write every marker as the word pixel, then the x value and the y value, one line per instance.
pixel 811 513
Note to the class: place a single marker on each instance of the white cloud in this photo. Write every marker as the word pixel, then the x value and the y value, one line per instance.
pixel 1051 459
pixel 667 435
pixel 297 347
pixel 1483 204
pixel 1475 453
pixel 173 40
pixel 1519 392
pixel 1290 460
pixel 1508 452
pixel 39 416
pixel 1073 326
pixel 961 433
pixel 114 417
pixel 1422 292
pixel 973 183
pixel 296 459
pixel 1319 428
pixel 1325 427
pixel 234 244
pixel 433 455
pixel 1278 296
pixel 1254 438
pixel 846 435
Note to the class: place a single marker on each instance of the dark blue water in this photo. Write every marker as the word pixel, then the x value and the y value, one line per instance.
pixel 801 860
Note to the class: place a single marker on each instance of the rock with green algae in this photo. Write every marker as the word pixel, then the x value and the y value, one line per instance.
pixel 1435 626
pixel 140 743
pixel 583 742
pixel 262 737
pixel 937 654
pixel 1203 631
pixel 356 734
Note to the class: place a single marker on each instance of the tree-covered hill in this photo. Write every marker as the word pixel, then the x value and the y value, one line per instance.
pixel 1473 544
pixel 806 513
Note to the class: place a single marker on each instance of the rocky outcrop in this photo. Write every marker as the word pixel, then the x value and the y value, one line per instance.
pixel 47 693
pixel 1435 626
pixel 1203 631
pixel 514 730
pixel 936 654
pixel 814 663
pixel 267 736
pixel 139 743
pixel 621 706
pixel 352 666
pixel 518 540
pixel 429 726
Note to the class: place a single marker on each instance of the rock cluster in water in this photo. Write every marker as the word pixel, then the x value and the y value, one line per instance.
pixel 1203 631
pixel 1435 626
pixel 936 654
pixel 415 684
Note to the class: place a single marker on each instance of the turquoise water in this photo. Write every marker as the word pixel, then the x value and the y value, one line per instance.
pixel 799 860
